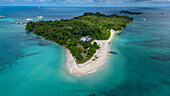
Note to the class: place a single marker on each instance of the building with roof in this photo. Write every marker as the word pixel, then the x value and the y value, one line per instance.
pixel 85 38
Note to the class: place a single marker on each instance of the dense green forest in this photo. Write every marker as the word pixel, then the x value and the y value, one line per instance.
pixel 129 12
pixel 69 32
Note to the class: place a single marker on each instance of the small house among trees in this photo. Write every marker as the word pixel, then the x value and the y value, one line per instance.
pixel 85 38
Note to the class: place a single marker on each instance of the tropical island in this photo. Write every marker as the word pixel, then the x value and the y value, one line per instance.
pixel 130 12
pixel 85 37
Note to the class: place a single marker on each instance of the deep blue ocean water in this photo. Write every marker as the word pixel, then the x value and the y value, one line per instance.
pixel 31 66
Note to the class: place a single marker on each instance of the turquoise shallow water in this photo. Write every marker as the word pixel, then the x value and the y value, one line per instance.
pixel 30 66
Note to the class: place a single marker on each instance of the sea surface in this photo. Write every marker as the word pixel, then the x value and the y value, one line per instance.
pixel 32 66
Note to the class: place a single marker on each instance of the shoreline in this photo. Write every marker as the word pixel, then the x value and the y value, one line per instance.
pixel 90 66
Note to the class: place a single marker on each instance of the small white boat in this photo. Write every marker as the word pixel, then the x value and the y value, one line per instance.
pixel 28 19
pixel 143 19
pixel 39 17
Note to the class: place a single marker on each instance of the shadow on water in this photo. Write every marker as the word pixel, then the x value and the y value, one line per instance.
pixel 160 56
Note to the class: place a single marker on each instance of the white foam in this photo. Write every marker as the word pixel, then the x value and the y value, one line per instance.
pixel 91 72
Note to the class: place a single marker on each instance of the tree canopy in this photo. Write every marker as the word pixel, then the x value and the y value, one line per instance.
pixel 130 12
pixel 68 32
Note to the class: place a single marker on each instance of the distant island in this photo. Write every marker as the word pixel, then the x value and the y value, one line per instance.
pixel 38 7
pixel 85 37
pixel 130 12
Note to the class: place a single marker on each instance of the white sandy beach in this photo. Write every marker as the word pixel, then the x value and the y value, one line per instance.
pixel 90 66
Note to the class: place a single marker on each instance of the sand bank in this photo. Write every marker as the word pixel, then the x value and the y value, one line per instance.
pixel 90 66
